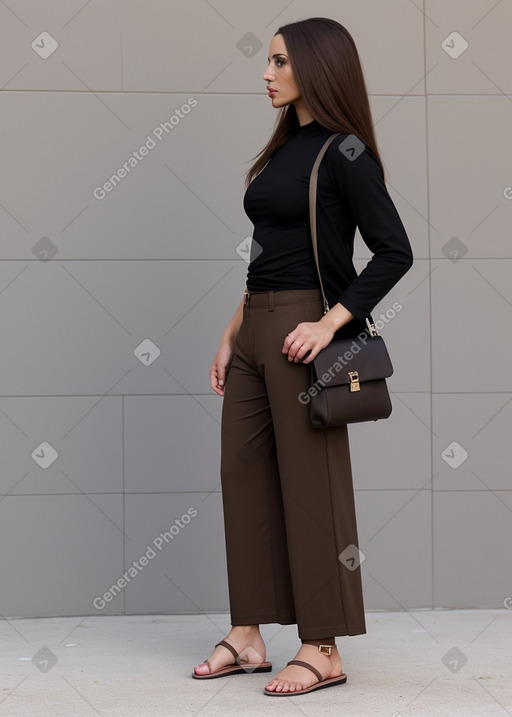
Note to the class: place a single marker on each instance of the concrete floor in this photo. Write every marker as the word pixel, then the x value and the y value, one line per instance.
pixel 442 662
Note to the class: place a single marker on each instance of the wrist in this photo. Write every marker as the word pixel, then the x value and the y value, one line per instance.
pixel 229 338
pixel 336 317
pixel 327 321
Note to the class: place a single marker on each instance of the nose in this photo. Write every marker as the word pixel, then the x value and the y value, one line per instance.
pixel 268 75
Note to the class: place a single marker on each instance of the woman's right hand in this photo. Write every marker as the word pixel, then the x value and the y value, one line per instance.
pixel 225 351
pixel 218 368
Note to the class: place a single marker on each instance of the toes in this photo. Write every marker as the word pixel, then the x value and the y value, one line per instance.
pixel 276 685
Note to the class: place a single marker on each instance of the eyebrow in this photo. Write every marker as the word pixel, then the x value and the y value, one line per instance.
pixel 278 54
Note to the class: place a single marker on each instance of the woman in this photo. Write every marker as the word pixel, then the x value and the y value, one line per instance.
pixel 287 487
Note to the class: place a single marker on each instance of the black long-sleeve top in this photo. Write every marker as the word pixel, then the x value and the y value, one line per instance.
pixel 351 193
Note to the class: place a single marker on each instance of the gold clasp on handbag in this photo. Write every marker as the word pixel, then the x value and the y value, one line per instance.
pixel 354 381
pixel 371 327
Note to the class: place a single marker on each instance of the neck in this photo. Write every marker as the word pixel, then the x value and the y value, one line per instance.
pixel 303 114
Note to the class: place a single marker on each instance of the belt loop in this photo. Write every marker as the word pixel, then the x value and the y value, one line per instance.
pixel 246 297
pixel 271 301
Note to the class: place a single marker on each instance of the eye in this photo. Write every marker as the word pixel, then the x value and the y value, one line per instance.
pixel 278 62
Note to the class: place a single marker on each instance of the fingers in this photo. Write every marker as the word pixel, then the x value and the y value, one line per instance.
pixel 218 377
pixel 305 342
pixel 216 383
pixel 217 388
pixel 298 352
pixel 293 343
pixel 298 344
pixel 311 354
pixel 305 354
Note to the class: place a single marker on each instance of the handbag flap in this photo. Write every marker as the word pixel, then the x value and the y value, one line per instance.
pixel 369 357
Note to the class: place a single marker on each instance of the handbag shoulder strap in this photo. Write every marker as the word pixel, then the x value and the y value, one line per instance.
pixel 313 181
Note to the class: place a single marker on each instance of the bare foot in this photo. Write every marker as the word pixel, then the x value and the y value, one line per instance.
pixel 246 640
pixel 295 677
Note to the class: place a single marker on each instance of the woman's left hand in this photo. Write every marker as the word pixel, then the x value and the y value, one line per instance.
pixel 309 337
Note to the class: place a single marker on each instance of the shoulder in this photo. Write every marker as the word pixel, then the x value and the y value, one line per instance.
pixel 348 157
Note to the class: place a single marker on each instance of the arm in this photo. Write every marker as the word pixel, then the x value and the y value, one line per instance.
pixel 361 187
pixel 223 355
pixel 366 200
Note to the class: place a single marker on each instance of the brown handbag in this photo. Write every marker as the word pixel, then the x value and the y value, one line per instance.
pixel 348 377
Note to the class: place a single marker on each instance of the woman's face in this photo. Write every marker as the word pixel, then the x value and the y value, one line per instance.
pixel 279 75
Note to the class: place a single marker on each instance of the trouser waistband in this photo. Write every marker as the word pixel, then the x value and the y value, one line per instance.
pixel 270 299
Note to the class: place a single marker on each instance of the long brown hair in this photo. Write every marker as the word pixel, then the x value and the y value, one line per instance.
pixel 328 73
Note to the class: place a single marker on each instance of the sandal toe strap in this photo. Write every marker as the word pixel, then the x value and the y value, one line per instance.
pixel 230 648
pixel 309 667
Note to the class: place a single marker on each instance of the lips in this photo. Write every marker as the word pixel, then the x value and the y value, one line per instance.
pixel 271 91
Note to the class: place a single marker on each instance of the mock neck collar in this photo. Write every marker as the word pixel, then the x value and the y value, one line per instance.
pixel 310 128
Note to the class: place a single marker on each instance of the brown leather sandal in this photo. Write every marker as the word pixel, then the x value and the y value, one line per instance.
pixel 236 668
pixel 329 682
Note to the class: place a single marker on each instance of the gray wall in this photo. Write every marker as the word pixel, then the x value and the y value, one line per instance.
pixel 85 280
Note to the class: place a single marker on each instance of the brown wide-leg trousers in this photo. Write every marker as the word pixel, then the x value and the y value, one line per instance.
pixel 287 488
